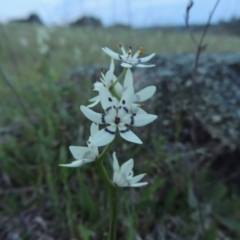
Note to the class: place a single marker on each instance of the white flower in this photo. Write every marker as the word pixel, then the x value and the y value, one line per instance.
pixel 109 79
pixel 106 81
pixel 138 97
pixel 123 176
pixel 84 154
pixel 117 116
pixel 127 59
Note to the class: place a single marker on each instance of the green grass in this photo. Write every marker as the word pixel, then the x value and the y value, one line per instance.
pixel 74 200
pixel 71 47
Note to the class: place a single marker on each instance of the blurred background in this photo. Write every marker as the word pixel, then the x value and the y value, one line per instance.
pixel 50 56
pixel 132 12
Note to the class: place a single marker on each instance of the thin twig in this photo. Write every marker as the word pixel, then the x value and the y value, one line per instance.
pixel 208 23
pixel 189 6
pixel 200 47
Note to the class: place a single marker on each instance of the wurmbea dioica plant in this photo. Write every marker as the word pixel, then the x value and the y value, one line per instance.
pixel 122 107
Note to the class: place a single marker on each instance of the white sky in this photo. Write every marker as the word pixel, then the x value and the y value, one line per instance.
pixel 133 12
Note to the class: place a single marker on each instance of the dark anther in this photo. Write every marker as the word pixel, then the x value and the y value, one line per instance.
pixel 109 99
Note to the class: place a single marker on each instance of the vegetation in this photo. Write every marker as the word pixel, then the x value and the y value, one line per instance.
pixel 37 198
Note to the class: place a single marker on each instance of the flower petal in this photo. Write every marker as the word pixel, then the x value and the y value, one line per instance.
pixel 126 65
pixel 98 85
pixel 112 66
pixel 139 120
pixel 137 178
pixel 128 80
pixel 116 166
pixel 105 136
pixel 109 78
pixel 127 167
pixel 94 99
pixel 123 50
pixel 107 100
pixel 94 103
pixel 119 179
pixel 136 109
pixel 94 150
pixel 77 163
pixel 145 66
pixel 139 184
pixel 136 54
pixel 144 94
pixel 110 53
pixel 125 102
pixel 94 129
pixel 128 135
pixel 80 152
pixel 147 58
pixel 91 115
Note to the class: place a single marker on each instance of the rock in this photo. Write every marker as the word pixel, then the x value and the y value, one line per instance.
pixel 217 97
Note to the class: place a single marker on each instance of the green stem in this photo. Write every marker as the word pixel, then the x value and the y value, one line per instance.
pixel 104 174
pixel 120 77
pixel 112 190
pixel 112 194
pixel 112 89
pixel 104 152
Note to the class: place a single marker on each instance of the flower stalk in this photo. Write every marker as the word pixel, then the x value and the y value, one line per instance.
pixel 123 73
pixel 112 198
pixel 112 194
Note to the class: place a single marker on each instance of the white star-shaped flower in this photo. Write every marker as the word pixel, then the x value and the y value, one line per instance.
pixel 117 116
pixel 84 154
pixel 105 81
pixel 123 176
pixel 127 59
pixel 138 97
